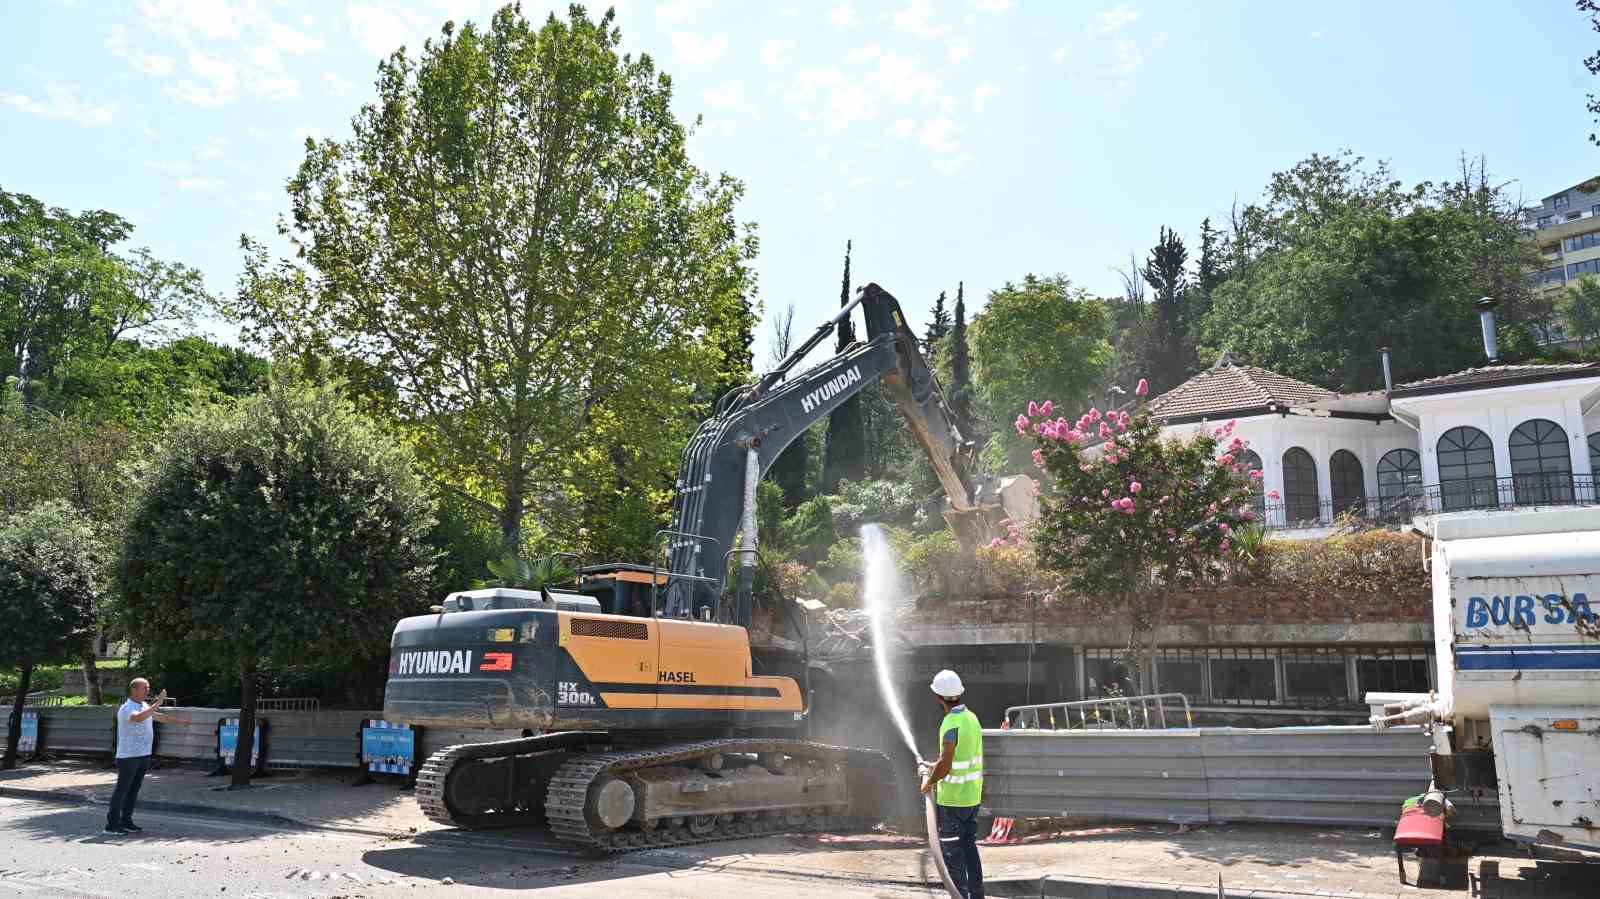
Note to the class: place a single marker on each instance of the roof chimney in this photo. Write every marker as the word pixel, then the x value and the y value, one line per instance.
pixel 1491 347
pixel 1388 376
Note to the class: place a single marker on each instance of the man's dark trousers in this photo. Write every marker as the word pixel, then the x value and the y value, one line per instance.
pixel 958 840
pixel 130 775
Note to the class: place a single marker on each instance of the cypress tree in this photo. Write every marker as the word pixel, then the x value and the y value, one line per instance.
pixel 961 367
pixel 845 455
pixel 937 329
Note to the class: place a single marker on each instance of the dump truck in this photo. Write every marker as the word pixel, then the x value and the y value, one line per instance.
pixel 643 720
pixel 1515 716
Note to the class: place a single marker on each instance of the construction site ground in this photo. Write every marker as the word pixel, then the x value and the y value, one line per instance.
pixel 1067 859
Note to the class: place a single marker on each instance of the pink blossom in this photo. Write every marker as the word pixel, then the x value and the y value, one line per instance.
pixel 1256 474
pixel 1227 459
pixel 1122 425
pixel 1171 534
pixel 1094 414
pixel 1038 458
pixel 1022 424
pixel 1165 499
pixel 1273 494
pixel 996 543
pixel 1225 528
pixel 1125 418
pixel 1105 493
pixel 1105 431
pixel 1143 389
pixel 1249 515
pixel 1127 510
pixel 1225 546
pixel 1046 408
pixel 1033 410
pixel 1135 487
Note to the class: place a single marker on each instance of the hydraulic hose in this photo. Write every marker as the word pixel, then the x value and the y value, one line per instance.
pixel 936 849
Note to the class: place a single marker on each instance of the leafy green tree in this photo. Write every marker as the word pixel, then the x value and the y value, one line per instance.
pixel 49 565
pixel 1041 338
pixel 58 277
pixel 282 528
pixel 528 574
pixel 142 387
pixel 1592 61
pixel 1580 309
pixel 1210 272
pixel 809 531
pixel 513 258
pixel 1131 516
pixel 845 452
pixel 1339 252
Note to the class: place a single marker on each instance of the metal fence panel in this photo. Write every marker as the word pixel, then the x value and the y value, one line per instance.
pixel 1314 775
pixel 71 730
pixel 1326 775
pixel 1129 775
pixel 315 739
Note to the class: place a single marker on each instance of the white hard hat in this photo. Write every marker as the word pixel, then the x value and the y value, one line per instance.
pixel 947 683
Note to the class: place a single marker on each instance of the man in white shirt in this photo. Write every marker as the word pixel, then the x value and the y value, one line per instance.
pixel 136 739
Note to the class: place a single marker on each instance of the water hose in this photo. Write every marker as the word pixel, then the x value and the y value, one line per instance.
pixel 934 847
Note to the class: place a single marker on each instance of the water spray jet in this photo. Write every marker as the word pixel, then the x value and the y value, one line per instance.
pixel 880 587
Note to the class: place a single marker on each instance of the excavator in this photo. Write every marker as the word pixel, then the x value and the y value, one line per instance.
pixel 643 724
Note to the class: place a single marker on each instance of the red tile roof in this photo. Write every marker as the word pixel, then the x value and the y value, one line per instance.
pixel 1498 375
pixel 1227 388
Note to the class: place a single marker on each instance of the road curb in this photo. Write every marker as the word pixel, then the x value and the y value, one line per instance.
pixel 189 808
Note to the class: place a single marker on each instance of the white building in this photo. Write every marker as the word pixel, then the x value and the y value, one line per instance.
pixel 1500 436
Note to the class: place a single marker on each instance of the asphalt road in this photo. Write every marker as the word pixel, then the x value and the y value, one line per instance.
pixel 49 849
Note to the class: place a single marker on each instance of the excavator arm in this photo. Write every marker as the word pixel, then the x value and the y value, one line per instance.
pixel 732 451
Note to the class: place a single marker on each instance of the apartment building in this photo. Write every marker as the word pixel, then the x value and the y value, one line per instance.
pixel 1566 228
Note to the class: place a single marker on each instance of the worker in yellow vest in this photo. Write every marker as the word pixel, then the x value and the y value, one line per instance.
pixel 958 777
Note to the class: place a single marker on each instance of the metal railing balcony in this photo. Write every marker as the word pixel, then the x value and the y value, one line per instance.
pixel 1468 494
pixel 1147 712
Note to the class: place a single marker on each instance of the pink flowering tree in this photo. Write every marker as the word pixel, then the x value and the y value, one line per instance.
pixel 1128 517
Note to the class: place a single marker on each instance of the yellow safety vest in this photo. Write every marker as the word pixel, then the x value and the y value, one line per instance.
pixel 963 786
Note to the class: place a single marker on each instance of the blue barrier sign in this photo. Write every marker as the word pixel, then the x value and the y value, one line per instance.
pixel 388 747
pixel 29 741
pixel 228 741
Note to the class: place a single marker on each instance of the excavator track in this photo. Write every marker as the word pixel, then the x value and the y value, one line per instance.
pixel 870 774
pixel 569 791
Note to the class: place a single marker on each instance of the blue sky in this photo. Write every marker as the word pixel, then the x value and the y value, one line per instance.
pixel 973 140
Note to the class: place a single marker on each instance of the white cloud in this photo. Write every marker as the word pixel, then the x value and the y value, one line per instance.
pixel 902 127
pixel 1159 41
pixel 902 183
pixel 950 165
pixel 144 63
pixel 859 55
pixel 335 85
pixel 916 19
pixel 697 51
pixel 184 19
pixel 215 81
pixel 844 16
pixel 1059 56
pixel 981 95
pixel 1129 59
pixel 199 185
pixel 772 52
pixel 215 148
pixel 938 135
pixel 1117 18
pixel 62 101
pixel 727 96
pixel 1316 35
pixel 958 50
pixel 379 31
pixel 290 40
pixel 677 11
pixel 992 5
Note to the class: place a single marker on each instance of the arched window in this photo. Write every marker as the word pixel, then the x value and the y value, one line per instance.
pixel 1299 486
pixel 1399 479
pixel 1349 483
pixel 1541 464
pixel 1466 469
